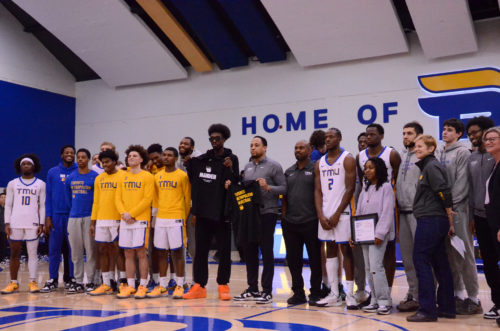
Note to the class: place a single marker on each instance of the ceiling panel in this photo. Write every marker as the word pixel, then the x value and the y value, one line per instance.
pixel 110 39
pixel 443 27
pixel 326 31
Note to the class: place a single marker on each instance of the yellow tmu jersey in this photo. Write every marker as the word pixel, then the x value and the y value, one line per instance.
pixel 134 195
pixel 105 186
pixel 173 195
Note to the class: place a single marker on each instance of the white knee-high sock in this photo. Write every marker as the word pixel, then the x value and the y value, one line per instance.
pixel 332 268
pixel 32 247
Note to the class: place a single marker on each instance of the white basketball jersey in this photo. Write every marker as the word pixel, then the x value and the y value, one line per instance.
pixel 332 178
pixel 26 204
pixel 385 155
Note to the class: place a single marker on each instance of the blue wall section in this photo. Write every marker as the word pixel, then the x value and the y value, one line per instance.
pixel 33 121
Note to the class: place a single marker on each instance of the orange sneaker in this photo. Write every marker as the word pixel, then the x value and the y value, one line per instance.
pixel 125 292
pixel 196 292
pixel 224 292
pixel 13 287
pixel 141 292
pixel 33 287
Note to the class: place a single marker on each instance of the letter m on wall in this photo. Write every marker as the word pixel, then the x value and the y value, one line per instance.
pixel 299 124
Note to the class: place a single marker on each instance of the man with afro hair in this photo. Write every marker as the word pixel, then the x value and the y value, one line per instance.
pixel 207 174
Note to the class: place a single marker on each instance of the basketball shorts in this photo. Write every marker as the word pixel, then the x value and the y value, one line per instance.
pixel 340 234
pixel 23 234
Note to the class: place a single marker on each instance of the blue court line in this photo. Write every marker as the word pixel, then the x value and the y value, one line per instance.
pixel 22 323
pixel 360 316
pixel 347 324
pixel 270 311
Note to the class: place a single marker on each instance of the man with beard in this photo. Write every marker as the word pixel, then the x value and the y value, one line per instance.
pixel 56 222
pixel 300 225
pixel 269 174
pixel 186 152
pixel 374 137
pixel 405 193
pixel 335 181
pixel 480 166
pixel 207 174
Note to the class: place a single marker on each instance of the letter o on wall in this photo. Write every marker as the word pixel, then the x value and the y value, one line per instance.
pixel 361 112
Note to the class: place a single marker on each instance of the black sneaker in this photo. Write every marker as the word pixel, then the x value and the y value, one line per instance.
pixel 366 302
pixel 297 299
pixel 458 304
pixel 341 291
pixel 494 313
pixel 264 298
pixel 50 286
pixel 75 288
pixel 247 295
pixel 90 287
pixel 313 300
pixel 469 307
pixel 69 283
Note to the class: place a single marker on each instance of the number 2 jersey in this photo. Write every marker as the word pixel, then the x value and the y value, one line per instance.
pixel 332 178
pixel 25 203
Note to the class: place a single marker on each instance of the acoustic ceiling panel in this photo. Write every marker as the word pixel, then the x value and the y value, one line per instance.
pixel 250 19
pixel 326 31
pixel 443 27
pixel 205 21
pixel 109 38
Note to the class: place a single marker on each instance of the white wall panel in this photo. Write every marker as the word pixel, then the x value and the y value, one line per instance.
pixel 443 27
pixel 109 38
pixel 326 31
pixel 24 61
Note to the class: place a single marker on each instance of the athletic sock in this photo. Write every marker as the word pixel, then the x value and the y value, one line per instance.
pixel 474 299
pixel 164 282
pixel 332 266
pixel 156 278
pixel 106 278
pixel 14 281
pixel 31 247
pixel 350 286
pixel 172 275
pixel 97 277
pixel 144 282
pixel 460 294
pixel 131 282
pixel 123 274
pixel 179 280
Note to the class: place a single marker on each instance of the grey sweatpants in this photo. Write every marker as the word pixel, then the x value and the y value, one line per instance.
pixel 407 228
pixel 374 268
pixel 464 270
pixel 80 242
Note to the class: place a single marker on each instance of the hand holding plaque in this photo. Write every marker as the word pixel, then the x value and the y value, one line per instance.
pixel 363 229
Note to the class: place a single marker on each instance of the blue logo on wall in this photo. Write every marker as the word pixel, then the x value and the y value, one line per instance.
pixel 462 94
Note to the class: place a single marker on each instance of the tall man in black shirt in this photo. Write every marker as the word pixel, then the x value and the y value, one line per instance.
pixel 300 225
pixel 207 174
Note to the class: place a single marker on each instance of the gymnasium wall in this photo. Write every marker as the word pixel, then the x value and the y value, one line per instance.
pixel 37 105
pixel 284 102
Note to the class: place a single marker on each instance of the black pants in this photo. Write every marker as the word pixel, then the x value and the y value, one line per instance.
pixel 430 259
pixel 205 230
pixel 486 237
pixel 296 235
pixel 3 246
pixel 266 244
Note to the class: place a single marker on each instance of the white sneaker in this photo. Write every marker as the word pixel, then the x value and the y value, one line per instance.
pixel 350 302
pixel 331 300
pixel 361 296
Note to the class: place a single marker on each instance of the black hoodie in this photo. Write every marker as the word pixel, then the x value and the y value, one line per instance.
pixel 207 175
pixel 433 194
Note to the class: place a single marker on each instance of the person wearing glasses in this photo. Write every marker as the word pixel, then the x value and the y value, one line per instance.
pixel 207 174
pixel 491 141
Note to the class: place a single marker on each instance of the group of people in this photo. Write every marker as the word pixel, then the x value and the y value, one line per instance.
pixel 134 218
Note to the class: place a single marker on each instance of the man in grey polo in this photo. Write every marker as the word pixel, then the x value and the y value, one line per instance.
pixel 269 174
pixel 406 187
pixel 300 225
